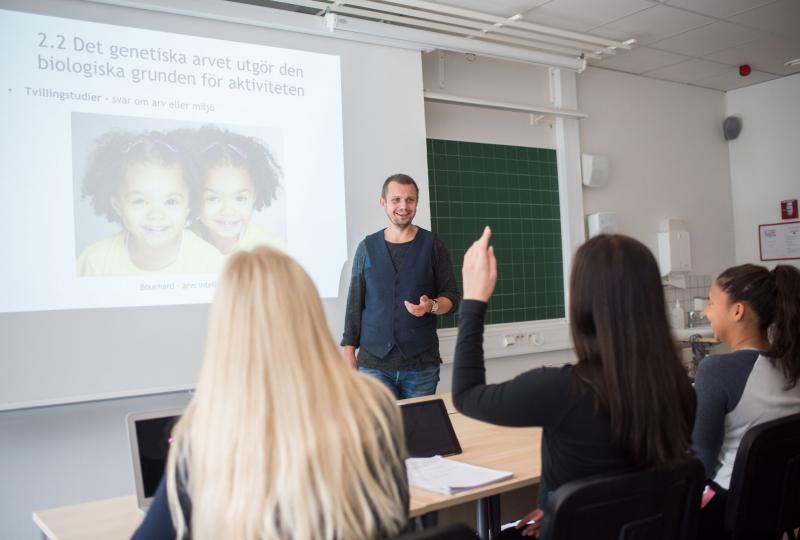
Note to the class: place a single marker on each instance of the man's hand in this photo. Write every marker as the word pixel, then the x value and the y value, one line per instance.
pixel 479 272
pixel 531 523
pixel 418 310
pixel 350 355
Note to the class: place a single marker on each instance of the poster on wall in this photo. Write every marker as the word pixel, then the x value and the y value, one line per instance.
pixel 779 241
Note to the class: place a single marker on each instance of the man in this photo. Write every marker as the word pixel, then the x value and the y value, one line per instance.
pixel 402 280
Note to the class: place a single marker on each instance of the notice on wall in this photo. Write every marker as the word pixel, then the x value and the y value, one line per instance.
pixel 779 241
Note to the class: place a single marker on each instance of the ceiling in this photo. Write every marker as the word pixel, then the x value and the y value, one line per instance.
pixel 697 42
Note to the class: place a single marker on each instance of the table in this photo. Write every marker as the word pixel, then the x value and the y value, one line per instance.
pixel 510 449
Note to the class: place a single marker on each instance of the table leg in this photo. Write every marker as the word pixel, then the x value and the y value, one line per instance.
pixel 483 519
pixel 494 516
pixel 426 521
pixel 489 517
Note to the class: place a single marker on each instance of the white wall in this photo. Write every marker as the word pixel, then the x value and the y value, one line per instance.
pixel 486 78
pixel 764 159
pixel 663 139
pixel 667 159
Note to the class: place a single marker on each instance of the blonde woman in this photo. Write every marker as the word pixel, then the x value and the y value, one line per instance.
pixel 281 440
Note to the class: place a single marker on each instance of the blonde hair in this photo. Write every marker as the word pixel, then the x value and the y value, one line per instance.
pixel 282 439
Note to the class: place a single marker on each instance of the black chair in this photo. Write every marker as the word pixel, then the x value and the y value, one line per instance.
pixel 764 494
pixel 660 505
pixel 457 531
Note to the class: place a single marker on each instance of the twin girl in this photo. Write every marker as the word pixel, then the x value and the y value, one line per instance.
pixel 184 200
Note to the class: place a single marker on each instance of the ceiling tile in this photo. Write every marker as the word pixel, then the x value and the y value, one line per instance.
pixel 581 15
pixel 656 23
pixel 503 8
pixel 708 39
pixel 767 55
pixel 782 17
pixel 604 32
pixel 639 60
pixel 690 71
pixel 731 80
pixel 718 8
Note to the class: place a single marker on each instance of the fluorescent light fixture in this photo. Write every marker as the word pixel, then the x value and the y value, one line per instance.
pixel 419 25
pixel 425 40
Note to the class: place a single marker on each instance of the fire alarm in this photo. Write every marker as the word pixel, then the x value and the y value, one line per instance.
pixel 789 209
pixel 744 70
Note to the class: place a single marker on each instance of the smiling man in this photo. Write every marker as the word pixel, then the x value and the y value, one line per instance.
pixel 402 280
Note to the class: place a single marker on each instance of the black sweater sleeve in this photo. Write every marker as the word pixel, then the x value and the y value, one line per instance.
pixel 157 524
pixel 533 398
pixel 446 284
pixel 355 299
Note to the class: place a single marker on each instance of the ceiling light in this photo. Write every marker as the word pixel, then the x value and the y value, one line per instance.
pixel 629 41
pixel 516 17
pixel 424 40
pixel 792 63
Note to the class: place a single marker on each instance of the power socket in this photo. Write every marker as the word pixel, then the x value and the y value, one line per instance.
pixel 523 338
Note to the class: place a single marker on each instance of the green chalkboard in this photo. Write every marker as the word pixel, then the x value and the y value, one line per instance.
pixel 514 190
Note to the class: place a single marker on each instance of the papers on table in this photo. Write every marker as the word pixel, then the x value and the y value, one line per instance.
pixel 447 476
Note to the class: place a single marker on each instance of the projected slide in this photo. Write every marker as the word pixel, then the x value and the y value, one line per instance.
pixel 136 162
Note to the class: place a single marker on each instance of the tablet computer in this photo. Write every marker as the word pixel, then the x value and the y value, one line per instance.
pixel 428 429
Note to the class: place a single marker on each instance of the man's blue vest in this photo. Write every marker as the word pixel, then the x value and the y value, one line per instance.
pixel 385 321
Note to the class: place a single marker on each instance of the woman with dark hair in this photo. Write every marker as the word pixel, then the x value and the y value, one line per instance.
pixel 756 312
pixel 627 403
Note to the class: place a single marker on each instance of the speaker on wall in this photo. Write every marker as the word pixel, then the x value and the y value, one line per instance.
pixel 595 170
pixel 731 127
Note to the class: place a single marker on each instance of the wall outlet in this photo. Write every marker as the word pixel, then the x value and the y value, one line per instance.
pixel 523 338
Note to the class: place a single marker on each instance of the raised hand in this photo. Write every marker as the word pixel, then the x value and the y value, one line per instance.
pixel 480 269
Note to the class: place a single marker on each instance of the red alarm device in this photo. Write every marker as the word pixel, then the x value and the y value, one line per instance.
pixel 789 209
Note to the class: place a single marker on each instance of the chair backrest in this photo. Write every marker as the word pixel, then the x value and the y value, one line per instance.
pixel 456 531
pixel 630 506
pixel 764 495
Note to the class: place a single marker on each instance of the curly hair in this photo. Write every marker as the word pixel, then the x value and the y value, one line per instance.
pixel 212 147
pixel 113 155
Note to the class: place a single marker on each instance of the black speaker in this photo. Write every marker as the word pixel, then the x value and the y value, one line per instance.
pixel 731 127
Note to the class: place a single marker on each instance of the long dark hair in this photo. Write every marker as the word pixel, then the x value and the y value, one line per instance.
pixel 625 351
pixel 774 296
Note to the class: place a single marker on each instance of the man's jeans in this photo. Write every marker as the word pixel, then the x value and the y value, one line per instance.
pixel 406 383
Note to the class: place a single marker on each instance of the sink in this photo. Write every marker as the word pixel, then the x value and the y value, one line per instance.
pixel 685 333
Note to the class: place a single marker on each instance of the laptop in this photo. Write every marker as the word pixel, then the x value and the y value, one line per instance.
pixel 149 437
pixel 429 431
